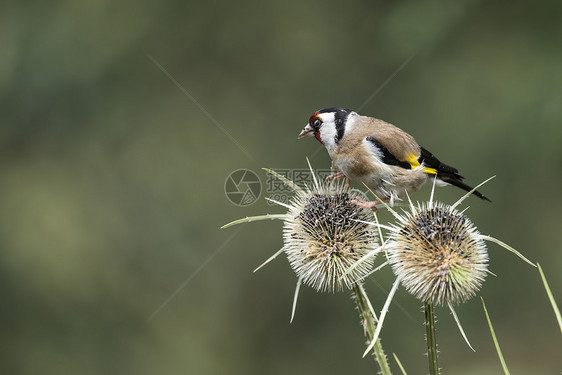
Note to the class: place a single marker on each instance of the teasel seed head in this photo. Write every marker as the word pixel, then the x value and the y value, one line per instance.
pixel 438 254
pixel 324 234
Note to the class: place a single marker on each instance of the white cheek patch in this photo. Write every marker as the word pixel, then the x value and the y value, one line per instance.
pixel 328 131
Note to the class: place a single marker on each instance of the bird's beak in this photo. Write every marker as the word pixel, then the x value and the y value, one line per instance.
pixel 307 132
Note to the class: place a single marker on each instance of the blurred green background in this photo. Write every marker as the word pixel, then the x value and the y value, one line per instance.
pixel 112 178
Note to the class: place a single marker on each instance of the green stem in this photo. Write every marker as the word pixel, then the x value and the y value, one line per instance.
pixel 431 339
pixel 368 321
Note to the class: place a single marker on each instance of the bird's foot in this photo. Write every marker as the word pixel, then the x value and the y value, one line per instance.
pixel 360 202
pixel 335 176
pixel 338 176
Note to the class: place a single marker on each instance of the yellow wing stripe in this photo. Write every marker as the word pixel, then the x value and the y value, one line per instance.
pixel 430 170
pixel 414 163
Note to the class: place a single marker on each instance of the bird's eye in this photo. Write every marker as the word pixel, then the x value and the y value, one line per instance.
pixel 316 124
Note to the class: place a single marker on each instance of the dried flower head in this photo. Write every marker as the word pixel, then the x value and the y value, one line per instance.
pixel 324 234
pixel 438 254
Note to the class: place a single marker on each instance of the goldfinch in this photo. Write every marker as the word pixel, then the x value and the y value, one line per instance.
pixel 383 157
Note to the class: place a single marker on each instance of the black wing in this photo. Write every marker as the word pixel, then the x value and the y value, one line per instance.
pixel 387 156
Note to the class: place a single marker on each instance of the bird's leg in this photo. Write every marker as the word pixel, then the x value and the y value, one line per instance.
pixel 338 176
pixel 360 202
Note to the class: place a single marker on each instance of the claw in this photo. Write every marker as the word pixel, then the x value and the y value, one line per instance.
pixel 338 176
pixel 360 202
pixel 335 176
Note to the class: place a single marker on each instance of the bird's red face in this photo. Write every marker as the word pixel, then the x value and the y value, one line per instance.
pixel 312 129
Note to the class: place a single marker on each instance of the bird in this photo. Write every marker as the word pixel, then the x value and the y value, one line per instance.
pixel 383 157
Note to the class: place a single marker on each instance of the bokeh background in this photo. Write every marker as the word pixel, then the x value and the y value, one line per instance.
pixel 113 164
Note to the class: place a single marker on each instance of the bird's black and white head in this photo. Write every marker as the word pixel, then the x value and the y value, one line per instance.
pixel 327 125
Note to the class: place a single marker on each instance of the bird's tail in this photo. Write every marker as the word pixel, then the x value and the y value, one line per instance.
pixel 458 183
pixel 446 173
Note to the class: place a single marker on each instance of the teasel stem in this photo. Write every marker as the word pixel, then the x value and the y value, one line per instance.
pixel 368 319
pixel 431 339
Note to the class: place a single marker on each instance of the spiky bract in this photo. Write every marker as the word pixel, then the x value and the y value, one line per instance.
pixel 438 254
